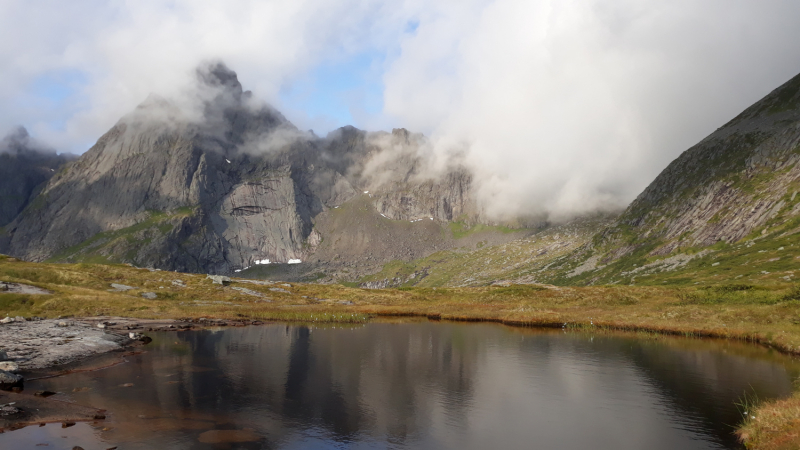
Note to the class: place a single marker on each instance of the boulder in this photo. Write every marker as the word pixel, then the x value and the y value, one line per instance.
pixel 121 287
pixel 219 279
pixel 9 380
pixel 3 286
pixel 9 366
pixel 149 295
pixel 3 355
pixel 7 320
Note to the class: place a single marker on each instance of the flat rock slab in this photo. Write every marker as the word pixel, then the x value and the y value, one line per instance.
pixel 31 410
pixel 43 343
pixel 249 292
pixel 120 287
pixel 18 288
pixel 258 282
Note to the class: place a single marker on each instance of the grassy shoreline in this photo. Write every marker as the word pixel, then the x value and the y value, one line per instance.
pixel 767 315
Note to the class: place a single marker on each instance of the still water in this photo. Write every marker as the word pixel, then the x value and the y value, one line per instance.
pixel 415 385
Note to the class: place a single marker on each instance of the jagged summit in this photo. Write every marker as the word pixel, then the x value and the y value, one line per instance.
pixel 216 181
pixel 18 142
pixel 24 165
pixel 218 76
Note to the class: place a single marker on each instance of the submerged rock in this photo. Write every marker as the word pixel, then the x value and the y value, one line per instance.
pixel 9 410
pixel 44 393
pixel 228 436
pixel 9 380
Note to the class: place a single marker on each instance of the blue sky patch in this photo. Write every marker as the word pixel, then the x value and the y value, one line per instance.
pixel 338 93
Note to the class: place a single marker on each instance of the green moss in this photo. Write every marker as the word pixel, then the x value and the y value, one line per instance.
pixel 97 249
pixel 462 229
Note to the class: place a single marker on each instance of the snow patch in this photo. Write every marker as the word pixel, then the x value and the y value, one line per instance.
pixel 366 192
pixel 262 261
pixel 228 160
pixel 294 261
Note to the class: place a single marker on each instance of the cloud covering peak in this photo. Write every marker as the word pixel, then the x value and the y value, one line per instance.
pixel 563 107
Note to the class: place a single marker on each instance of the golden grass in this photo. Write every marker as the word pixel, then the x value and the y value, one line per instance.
pixel 773 425
pixel 769 315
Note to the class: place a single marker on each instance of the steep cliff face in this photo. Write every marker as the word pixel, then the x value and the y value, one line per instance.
pixel 395 171
pixel 24 165
pixel 223 185
pixel 738 184
pixel 209 204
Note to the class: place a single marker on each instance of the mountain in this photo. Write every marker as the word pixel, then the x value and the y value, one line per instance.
pixel 727 210
pixel 24 166
pixel 713 209
pixel 220 183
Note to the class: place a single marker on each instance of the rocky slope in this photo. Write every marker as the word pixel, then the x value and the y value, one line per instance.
pixel 24 166
pixel 735 188
pixel 228 183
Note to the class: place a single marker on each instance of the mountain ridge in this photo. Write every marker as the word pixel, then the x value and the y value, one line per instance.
pixel 222 185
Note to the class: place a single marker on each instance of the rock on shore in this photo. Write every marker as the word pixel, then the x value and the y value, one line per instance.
pixel 44 343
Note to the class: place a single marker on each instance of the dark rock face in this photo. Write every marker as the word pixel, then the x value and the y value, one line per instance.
pixel 24 165
pixel 217 193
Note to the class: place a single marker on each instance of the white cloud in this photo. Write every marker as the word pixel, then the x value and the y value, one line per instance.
pixel 573 105
pixel 563 105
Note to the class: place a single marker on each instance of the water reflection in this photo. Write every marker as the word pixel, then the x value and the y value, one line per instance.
pixel 417 385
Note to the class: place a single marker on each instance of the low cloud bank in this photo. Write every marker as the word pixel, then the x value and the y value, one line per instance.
pixel 560 107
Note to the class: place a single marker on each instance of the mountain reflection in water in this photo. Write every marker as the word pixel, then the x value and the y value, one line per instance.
pixel 416 385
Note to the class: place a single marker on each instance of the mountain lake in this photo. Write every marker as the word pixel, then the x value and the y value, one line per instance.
pixel 411 384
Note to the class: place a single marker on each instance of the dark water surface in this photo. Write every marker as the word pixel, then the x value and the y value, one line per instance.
pixel 415 385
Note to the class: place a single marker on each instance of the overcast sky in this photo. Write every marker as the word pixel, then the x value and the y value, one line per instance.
pixel 563 105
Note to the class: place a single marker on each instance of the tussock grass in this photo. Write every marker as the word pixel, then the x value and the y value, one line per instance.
pixel 771 425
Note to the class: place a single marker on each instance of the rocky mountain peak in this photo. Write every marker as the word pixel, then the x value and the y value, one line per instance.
pixel 219 77
pixel 25 165
pixel 215 181
pixel 19 142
